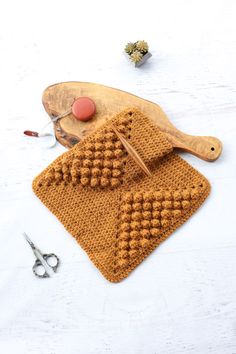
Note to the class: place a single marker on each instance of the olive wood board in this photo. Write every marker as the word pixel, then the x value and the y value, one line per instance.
pixel 58 98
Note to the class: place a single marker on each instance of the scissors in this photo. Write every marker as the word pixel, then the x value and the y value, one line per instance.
pixel 45 261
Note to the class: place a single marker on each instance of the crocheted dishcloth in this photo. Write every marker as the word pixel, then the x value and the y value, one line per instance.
pixel 116 213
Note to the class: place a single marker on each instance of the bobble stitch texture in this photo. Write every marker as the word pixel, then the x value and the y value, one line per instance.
pixel 134 234
pixel 137 206
pixel 124 236
pixel 145 216
pixel 129 228
pixel 102 156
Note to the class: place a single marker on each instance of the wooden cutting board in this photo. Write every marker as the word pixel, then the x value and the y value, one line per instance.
pixel 109 101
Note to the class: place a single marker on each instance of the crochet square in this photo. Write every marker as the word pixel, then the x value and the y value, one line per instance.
pixel 116 213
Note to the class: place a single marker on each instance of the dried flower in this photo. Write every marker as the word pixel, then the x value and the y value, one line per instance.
pixel 142 46
pixel 136 56
pixel 129 48
pixel 138 52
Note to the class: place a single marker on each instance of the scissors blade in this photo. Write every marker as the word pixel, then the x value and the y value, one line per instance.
pixel 32 245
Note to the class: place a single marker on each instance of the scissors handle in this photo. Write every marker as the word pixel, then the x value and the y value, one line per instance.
pixel 38 265
pixel 51 257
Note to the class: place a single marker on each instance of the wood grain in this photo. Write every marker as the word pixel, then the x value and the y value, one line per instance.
pixel 109 101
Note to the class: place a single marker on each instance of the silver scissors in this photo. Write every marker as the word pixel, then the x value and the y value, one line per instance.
pixel 43 261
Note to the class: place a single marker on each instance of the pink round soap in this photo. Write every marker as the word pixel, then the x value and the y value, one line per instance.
pixel 83 108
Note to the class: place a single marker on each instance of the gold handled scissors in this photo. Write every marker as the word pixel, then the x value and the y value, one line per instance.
pixel 43 261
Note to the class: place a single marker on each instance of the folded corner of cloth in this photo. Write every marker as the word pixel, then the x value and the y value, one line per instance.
pixel 116 213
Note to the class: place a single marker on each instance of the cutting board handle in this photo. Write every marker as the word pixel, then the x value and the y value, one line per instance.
pixel 207 148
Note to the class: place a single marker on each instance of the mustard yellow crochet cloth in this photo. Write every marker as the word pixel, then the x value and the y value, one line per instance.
pixel 116 213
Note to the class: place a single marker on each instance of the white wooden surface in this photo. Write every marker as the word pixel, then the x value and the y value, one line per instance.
pixel 182 298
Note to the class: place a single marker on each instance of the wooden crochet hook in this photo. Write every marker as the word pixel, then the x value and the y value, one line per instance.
pixel 58 98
